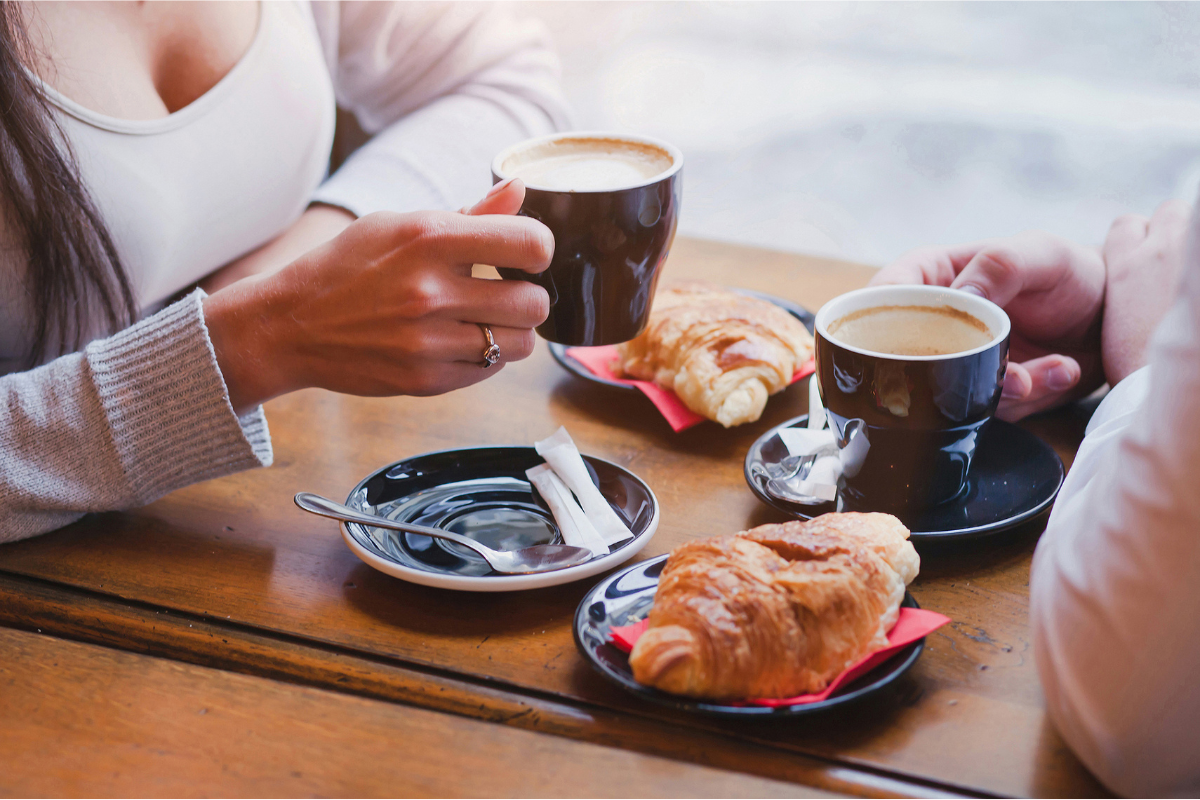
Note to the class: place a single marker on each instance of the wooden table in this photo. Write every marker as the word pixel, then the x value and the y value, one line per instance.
pixel 230 576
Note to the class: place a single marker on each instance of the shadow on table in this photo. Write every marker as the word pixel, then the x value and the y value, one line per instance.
pixel 396 603
pixel 140 555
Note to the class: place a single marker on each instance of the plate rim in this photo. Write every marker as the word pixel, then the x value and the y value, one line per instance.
pixel 559 351
pixel 975 532
pixel 909 655
pixel 501 583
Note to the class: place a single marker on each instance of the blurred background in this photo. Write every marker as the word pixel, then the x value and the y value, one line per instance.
pixel 861 130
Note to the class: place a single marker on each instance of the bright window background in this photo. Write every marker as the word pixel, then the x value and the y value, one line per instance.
pixel 860 130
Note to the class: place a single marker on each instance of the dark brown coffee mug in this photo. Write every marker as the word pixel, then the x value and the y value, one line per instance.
pixel 609 245
pixel 908 425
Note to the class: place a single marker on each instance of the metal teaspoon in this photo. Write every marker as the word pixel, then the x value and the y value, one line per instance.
pixel 539 558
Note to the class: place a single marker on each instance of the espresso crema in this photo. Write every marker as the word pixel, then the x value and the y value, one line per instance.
pixel 911 330
pixel 587 164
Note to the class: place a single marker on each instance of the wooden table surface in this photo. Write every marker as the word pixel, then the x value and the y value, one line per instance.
pixel 229 574
pixel 86 720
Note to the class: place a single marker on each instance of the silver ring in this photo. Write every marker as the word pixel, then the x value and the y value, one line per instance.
pixel 491 353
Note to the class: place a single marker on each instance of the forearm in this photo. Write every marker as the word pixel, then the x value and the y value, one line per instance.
pixel 442 88
pixel 131 418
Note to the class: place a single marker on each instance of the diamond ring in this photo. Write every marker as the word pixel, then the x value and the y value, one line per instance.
pixel 491 353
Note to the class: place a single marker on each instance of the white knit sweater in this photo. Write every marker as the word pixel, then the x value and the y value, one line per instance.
pixel 442 87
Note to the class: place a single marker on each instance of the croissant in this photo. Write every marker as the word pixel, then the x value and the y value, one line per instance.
pixel 721 352
pixel 776 611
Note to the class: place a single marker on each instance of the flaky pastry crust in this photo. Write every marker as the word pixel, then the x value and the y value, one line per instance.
pixel 721 352
pixel 776 611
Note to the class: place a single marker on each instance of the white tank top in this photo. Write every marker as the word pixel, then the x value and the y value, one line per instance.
pixel 187 193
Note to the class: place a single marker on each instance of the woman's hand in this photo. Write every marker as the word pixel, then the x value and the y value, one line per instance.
pixel 1144 258
pixel 1053 291
pixel 387 307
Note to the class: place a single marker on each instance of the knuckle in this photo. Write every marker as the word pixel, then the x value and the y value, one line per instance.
pixel 536 305
pixel 537 243
pixel 425 296
pixel 415 343
pixel 428 230
pixel 425 383
pixel 1126 221
pixel 1000 263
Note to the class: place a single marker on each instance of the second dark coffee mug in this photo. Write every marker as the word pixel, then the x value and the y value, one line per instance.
pixel 609 243
pixel 908 424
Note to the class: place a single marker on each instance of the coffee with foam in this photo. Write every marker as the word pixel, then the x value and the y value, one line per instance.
pixel 587 164
pixel 911 330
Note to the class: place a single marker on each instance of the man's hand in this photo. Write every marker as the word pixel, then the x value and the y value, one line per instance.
pixel 1053 291
pixel 1144 258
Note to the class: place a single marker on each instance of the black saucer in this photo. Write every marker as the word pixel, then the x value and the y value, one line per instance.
pixel 483 493
pixel 1015 476
pixel 559 351
pixel 625 597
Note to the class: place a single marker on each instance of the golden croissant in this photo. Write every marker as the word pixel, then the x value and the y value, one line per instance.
pixel 721 352
pixel 776 611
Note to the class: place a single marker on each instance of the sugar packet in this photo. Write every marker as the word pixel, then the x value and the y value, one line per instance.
pixel 561 454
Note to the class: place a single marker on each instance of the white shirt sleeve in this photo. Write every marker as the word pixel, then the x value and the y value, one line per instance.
pixel 1115 584
pixel 442 87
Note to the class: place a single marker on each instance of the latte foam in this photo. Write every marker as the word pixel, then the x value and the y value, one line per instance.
pixel 587 164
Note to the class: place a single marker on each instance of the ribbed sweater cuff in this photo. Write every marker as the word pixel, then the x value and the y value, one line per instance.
pixel 167 404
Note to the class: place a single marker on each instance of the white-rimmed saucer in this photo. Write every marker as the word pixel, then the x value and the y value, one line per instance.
pixel 482 492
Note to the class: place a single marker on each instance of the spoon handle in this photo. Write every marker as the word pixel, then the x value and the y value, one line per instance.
pixel 323 506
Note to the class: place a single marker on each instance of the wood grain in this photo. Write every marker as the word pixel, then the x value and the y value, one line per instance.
pixel 89 617
pixel 969 716
pixel 78 719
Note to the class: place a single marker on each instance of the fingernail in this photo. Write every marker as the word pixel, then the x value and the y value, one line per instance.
pixel 1014 387
pixel 1059 378
pixel 971 288
pixel 499 187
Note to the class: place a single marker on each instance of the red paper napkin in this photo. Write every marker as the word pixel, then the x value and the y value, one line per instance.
pixel 913 624
pixel 599 361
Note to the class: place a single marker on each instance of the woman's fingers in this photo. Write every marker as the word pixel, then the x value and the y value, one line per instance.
pixel 505 197
pixel 516 344
pixel 1037 384
pixel 498 240
pixel 513 304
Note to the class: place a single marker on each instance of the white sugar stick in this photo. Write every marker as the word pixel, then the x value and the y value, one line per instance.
pixel 576 530
pixel 816 410
pixel 560 453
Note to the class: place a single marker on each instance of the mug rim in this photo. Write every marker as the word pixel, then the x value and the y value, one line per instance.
pixel 986 307
pixel 675 153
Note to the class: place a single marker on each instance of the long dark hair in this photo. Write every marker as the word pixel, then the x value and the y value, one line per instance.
pixel 74 270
